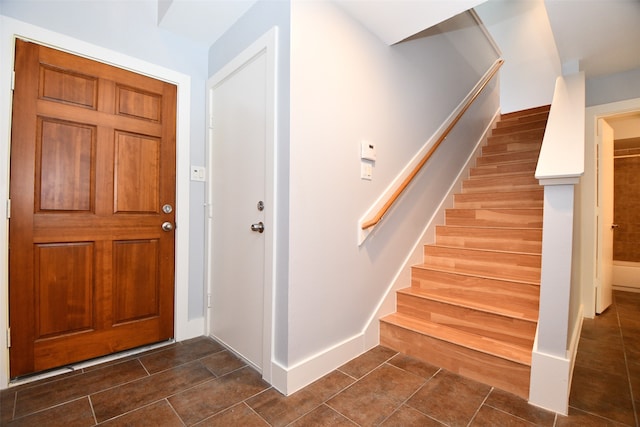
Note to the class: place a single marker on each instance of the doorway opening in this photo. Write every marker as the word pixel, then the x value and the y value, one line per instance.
pixel 626 217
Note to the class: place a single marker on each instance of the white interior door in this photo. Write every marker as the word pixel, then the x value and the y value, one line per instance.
pixel 241 197
pixel 604 266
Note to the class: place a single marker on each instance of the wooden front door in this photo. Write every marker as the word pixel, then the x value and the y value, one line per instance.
pixel 91 269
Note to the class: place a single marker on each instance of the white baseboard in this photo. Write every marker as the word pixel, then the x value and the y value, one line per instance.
pixel 551 375
pixel 289 380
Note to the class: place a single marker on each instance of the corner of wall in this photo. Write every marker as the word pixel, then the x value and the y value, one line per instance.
pixel 289 380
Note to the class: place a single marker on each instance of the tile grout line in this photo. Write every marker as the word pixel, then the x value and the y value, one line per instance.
pixel 426 380
pixel 175 412
pixel 626 361
pixel 244 402
pixel 479 407
pixel 93 412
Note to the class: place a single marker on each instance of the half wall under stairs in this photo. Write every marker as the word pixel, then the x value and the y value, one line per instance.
pixel 472 306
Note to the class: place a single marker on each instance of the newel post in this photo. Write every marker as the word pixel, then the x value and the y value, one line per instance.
pixel 560 166
pixel 555 279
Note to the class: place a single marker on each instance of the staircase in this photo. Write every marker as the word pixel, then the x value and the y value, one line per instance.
pixel 472 307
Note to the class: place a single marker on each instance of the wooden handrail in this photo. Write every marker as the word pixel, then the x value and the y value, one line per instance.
pixel 396 194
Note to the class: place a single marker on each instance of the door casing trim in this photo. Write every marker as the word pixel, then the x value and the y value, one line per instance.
pixel 184 328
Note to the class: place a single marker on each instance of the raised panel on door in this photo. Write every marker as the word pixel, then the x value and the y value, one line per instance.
pixel 64 286
pixel 136 277
pixel 64 166
pixel 92 163
pixel 136 173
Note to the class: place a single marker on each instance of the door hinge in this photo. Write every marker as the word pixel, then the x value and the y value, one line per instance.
pixel 208 300
pixel 8 208
pixel 9 337
pixel 13 80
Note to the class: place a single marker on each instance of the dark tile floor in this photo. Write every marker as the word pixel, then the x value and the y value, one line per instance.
pixel 197 382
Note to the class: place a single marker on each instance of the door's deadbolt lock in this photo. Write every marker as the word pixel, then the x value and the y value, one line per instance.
pixel 260 205
pixel 167 208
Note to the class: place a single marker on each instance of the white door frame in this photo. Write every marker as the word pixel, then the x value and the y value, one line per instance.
pixel 10 29
pixel 588 203
pixel 266 43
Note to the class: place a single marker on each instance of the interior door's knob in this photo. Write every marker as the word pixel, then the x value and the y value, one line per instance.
pixel 167 226
pixel 259 227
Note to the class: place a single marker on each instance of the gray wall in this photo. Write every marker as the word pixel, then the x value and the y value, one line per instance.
pixel 613 87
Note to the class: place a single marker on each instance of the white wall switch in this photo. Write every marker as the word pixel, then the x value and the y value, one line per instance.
pixel 198 173
pixel 367 151
pixel 366 171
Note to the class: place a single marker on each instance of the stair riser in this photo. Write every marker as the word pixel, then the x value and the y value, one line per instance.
pixel 486 184
pixel 514 331
pixel 502 239
pixel 525 113
pixel 507 266
pixel 497 372
pixel 503 169
pixel 527 218
pixel 509 128
pixel 536 135
pixel 517 199
pixel 516 156
pixel 510 147
pixel 517 298
pixel 523 119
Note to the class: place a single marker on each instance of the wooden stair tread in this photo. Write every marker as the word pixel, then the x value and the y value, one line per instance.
pixel 459 297
pixel 475 342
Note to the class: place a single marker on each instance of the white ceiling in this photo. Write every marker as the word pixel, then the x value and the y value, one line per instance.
pixel 203 21
pixel 395 20
pixel 602 36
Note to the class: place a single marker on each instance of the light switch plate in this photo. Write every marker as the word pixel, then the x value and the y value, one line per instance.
pixel 198 173
pixel 366 171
